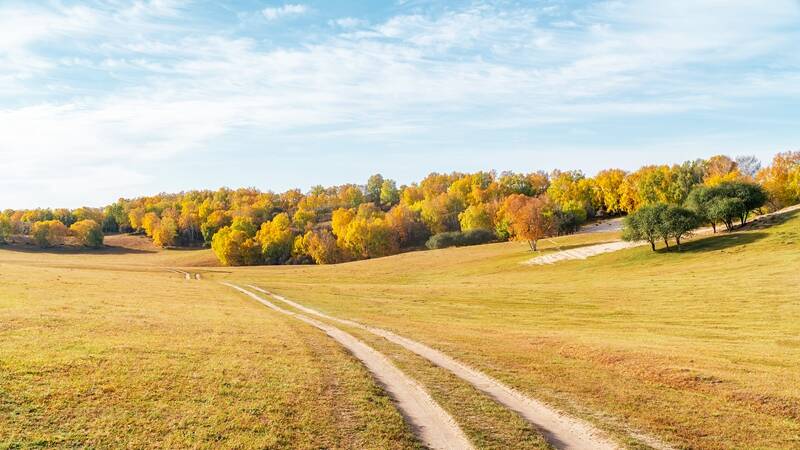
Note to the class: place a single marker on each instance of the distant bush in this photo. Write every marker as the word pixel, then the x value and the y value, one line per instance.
pixel 48 233
pixel 460 238
pixel 88 233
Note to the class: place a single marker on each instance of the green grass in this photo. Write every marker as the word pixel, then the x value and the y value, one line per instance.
pixel 102 358
pixel 699 348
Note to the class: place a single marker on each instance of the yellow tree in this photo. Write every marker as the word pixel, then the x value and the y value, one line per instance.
pixel 48 233
pixel 782 179
pixel 531 218
pixel 149 223
pixel 478 216
pixel 165 232
pixel 720 169
pixel 276 239
pixel 321 247
pixel 88 233
pixel 608 185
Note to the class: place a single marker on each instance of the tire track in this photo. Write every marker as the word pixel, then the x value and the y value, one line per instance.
pixel 434 426
pixel 560 430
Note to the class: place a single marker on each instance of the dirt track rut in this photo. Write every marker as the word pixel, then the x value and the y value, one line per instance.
pixel 433 425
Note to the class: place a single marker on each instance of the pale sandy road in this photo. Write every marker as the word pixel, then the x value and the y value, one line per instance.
pixel 434 426
pixel 598 249
pixel 560 430
pixel 582 252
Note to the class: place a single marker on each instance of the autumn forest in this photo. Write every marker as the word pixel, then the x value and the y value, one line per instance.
pixel 350 222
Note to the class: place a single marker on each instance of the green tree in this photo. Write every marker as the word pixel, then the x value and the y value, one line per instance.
pixel 752 195
pixel 389 194
pixel 677 222
pixel 699 201
pixel 727 210
pixel 645 224
pixel 374 185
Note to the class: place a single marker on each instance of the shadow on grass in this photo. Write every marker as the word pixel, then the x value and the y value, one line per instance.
pixel 717 242
pixel 74 250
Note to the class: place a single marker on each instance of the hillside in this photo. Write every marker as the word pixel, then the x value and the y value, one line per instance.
pixel 698 348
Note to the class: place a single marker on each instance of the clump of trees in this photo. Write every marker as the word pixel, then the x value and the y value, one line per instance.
pixel 341 223
pixel 48 233
pixel 660 222
pixel 724 203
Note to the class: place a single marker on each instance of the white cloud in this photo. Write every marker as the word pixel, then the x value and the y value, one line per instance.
pixel 409 76
pixel 349 22
pixel 288 9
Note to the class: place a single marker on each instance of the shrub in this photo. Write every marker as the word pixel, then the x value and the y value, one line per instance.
pixel 460 238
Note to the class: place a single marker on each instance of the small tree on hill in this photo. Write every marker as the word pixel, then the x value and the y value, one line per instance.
pixel 752 195
pixel 531 218
pixel 645 224
pixel 699 201
pixel 726 210
pixel 679 222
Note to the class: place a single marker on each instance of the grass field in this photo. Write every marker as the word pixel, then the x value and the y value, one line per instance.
pixel 700 349
pixel 109 357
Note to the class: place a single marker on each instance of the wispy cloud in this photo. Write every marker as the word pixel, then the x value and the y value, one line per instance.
pixel 289 9
pixel 105 87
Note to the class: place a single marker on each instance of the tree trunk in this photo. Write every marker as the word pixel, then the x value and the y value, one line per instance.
pixel 678 241
pixel 666 242
pixel 532 243
pixel 714 227
pixel 653 245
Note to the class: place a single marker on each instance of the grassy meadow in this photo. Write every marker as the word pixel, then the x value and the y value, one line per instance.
pixel 97 355
pixel 700 348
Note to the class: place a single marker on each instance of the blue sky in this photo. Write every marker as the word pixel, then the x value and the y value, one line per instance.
pixel 101 99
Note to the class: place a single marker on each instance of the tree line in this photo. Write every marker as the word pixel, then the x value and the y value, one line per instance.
pixel 349 222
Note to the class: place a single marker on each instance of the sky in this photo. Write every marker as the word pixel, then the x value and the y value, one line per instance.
pixel 104 99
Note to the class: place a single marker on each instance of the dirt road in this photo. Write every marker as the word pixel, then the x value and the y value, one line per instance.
pixel 561 431
pixel 433 425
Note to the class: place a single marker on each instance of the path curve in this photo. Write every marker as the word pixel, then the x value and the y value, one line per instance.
pixel 560 430
pixel 434 426
pixel 598 249
pixel 582 252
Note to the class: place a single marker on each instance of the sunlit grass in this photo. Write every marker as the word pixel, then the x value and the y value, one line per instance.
pixel 108 358
pixel 698 347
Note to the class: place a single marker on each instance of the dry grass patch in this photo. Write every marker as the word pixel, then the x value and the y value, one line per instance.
pixel 694 347
pixel 93 358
